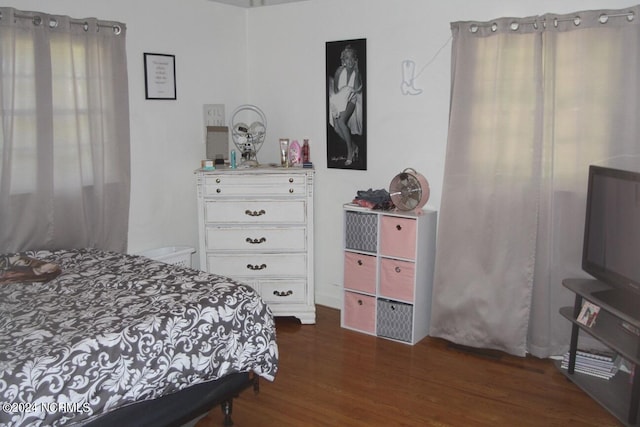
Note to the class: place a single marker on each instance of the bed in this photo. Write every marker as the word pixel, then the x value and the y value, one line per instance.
pixel 95 338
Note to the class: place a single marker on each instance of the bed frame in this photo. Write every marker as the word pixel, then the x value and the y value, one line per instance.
pixel 179 408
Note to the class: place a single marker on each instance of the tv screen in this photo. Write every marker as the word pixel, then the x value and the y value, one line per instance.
pixel 611 249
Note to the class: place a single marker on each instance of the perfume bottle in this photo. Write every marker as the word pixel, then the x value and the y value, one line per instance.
pixel 305 152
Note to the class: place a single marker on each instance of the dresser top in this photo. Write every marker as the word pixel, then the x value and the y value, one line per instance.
pixel 255 170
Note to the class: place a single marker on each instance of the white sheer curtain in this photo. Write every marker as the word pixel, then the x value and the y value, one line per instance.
pixel 534 101
pixel 64 134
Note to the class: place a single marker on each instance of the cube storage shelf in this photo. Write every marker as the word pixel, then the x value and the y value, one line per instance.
pixel 388 272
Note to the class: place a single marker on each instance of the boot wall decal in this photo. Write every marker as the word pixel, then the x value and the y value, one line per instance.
pixel 409 75
pixel 408 78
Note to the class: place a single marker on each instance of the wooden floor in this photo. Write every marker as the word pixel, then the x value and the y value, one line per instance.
pixel 329 376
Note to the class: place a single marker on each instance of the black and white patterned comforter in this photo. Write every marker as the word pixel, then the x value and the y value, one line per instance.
pixel 113 329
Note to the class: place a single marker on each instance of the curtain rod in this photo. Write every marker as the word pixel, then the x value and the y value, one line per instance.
pixel 603 18
pixel 53 22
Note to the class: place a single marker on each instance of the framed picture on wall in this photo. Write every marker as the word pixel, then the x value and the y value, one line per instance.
pixel 159 76
pixel 346 104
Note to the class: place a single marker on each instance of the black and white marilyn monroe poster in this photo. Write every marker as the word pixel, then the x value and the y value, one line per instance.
pixel 346 104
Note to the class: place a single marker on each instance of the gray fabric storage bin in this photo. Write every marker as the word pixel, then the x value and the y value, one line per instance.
pixel 361 231
pixel 394 320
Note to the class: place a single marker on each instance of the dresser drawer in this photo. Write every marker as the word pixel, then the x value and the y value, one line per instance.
pixel 283 291
pixel 398 237
pixel 258 265
pixel 255 211
pixel 251 185
pixel 256 238
pixel 397 279
pixel 360 272
pixel 359 312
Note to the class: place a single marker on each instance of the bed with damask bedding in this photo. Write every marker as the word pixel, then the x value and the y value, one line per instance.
pixel 100 338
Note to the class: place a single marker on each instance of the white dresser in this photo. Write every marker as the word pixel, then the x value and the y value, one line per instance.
pixel 256 226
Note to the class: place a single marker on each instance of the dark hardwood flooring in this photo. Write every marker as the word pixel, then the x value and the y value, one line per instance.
pixel 329 376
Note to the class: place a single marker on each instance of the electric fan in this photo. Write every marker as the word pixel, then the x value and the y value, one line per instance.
pixel 248 138
pixel 409 190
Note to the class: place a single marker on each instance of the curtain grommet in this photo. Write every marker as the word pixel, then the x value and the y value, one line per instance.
pixel 494 27
pixel 603 19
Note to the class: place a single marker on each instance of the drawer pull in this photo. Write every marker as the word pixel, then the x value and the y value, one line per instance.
pixel 283 294
pixel 398 227
pixel 291 180
pixel 359 302
pixel 398 270
pixel 256 267
pixel 256 241
pixel 360 262
pixel 218 190
pixel 291 190
pixel 218 180
pixel 255 213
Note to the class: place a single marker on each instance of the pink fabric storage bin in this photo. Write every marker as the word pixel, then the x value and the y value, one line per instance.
pixel 398 237
pixel 360 272
pixel 396 279
pixel 359 312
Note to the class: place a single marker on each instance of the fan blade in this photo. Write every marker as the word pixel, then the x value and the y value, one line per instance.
pixel 409 203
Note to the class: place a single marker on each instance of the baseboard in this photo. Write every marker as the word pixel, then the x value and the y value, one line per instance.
pixel 329 301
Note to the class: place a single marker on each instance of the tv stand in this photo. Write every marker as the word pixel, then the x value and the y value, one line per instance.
pixel 620 395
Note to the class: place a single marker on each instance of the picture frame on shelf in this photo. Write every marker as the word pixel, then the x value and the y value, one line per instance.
pixel 588 314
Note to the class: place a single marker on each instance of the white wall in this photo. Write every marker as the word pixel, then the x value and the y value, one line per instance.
pixel 286 78
pixel 274 57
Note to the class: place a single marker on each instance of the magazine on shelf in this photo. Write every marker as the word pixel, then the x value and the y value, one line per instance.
pixel 601 365
pixel 596 355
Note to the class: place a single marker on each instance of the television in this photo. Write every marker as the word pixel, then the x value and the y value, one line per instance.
pixel 611 246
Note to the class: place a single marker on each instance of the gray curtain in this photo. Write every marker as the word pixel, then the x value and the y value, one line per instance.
pixel 64 134
pixel 534 101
